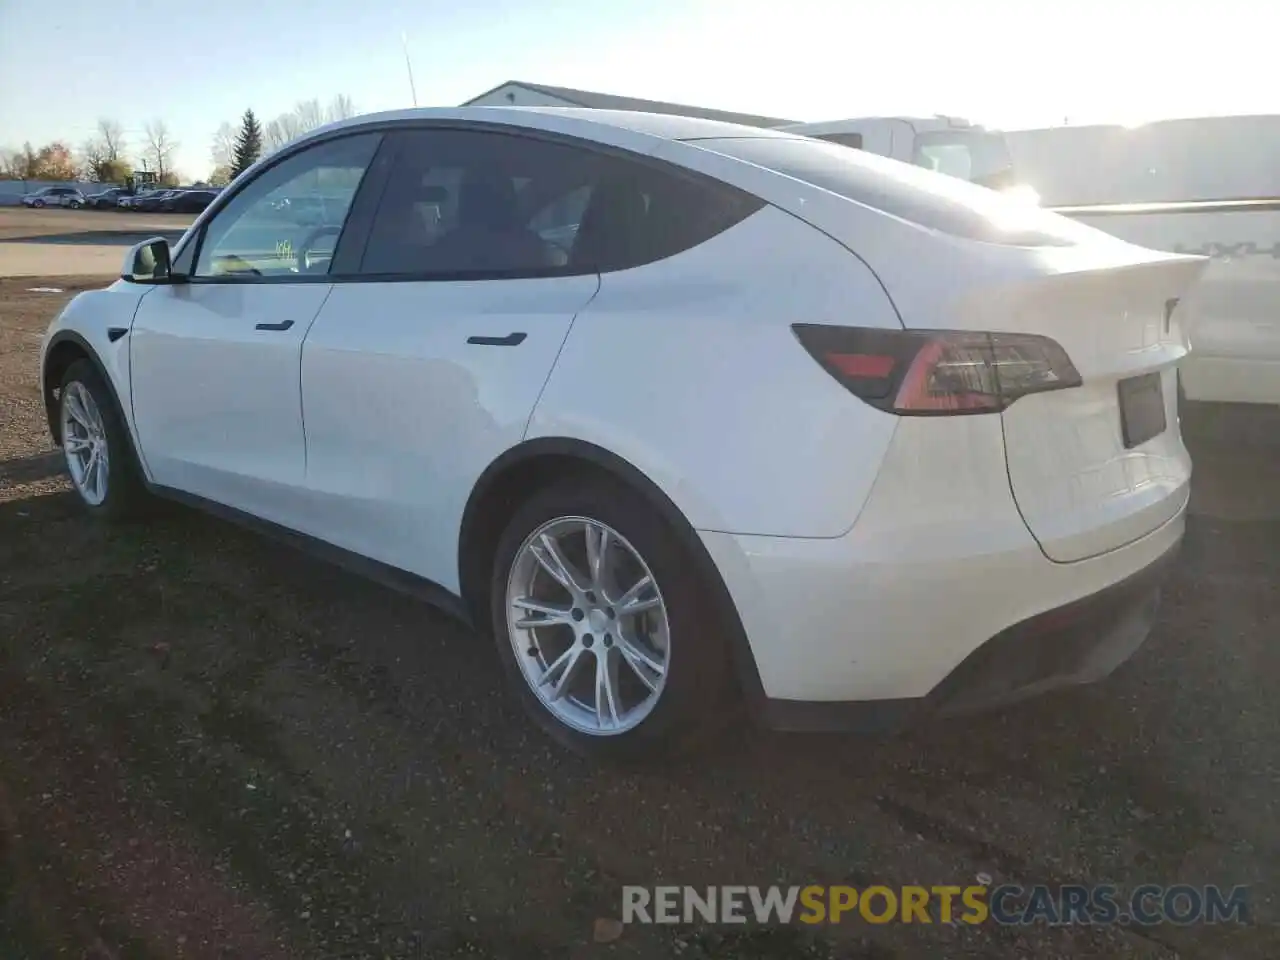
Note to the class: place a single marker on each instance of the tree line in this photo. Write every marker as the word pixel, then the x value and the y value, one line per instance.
pixel 106 158
pixel 102 158
pixel 235 150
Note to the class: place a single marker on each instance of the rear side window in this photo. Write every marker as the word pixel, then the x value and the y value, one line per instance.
pixel 471 203
pixel 640 214
pixel 911 193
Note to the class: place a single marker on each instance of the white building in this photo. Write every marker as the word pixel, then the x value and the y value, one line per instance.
pixel 520 94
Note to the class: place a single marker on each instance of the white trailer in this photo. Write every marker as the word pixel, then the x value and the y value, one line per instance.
pixel 1209 186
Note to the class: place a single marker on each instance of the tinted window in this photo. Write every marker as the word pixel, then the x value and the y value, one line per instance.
pixel 287 219
pixel 844 139
pixel 464 203
pixel 908 192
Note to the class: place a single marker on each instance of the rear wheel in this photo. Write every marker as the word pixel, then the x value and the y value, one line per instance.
pixel 96 446
pixel 607 636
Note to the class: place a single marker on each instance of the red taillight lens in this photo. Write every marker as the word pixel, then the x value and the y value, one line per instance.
pixel 932 372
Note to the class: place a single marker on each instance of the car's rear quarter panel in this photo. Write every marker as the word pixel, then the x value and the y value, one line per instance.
pixel 688 368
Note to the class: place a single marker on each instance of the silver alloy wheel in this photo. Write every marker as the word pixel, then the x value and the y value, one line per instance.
pixel 84 443
pixel 588 625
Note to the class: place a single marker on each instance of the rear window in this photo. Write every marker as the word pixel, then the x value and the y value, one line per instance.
pixel 911 193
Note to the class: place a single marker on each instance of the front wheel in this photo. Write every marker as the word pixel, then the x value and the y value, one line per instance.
pixel 604 630
pixel 37 203
pixel 96 446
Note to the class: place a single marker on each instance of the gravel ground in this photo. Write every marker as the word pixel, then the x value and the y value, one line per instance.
pixel 211 746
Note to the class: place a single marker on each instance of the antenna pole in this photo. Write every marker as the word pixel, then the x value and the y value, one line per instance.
pixel 404 39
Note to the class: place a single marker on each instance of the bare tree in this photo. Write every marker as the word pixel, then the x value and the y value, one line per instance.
pixel 224 145
pixel 160 147
pixel 273 137
pixel 111 138
pixel 309 115
pixel 92 156
pixel 21 164
pixel 341 108
pixel 305 116
pixel 13 164
pixel 102 155
pixel 281 130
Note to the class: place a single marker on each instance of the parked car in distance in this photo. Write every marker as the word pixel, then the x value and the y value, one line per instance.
pixel 131 202
pixel 105 199
pixel 55 197
pixel 188 201
pixel 151 202
pixel 777 423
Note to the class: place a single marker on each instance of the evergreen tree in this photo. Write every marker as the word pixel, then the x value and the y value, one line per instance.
pixel 248 144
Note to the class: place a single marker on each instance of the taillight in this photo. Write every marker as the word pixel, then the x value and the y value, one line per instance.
pixel 935 372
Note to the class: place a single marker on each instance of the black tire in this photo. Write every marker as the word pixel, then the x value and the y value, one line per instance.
pixel 126 493
pixel 37 203
pixel 699 697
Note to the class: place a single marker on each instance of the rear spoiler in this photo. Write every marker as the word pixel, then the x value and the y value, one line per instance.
pixel 1247 205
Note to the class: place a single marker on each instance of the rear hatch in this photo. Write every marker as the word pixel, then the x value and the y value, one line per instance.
pixel 1100 465
pixel 1092 466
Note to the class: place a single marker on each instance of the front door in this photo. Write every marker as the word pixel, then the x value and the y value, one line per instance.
pixel 215 357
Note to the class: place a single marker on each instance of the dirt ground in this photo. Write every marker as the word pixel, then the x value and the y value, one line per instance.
pixel 214 747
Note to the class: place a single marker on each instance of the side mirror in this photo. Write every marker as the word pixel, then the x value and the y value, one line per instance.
pixel 148 262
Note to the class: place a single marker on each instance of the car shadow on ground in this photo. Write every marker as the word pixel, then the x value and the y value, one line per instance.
pixel 98 237
pixel 248 747
pixel 29 469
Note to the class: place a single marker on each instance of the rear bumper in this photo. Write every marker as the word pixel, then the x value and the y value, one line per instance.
pixel 1079 642
pixel 938 599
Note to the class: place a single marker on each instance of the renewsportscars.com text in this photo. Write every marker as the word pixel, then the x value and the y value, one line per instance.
pixel 1007 904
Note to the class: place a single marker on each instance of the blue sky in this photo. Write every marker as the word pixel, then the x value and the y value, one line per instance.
pixel 1010 63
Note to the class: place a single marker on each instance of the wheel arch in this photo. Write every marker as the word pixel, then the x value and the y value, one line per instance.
pixel 65 348
pixel 510 479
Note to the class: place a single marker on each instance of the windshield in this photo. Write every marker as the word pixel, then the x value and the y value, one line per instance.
pixel 979 156
pixel 942 203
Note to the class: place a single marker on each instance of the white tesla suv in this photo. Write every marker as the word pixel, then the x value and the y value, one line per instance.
pixel 687 415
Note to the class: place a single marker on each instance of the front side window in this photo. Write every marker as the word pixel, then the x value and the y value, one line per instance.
pixel 463 203
pixel 287 220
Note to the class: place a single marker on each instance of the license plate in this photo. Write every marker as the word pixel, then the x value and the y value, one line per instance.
pixel 1141 409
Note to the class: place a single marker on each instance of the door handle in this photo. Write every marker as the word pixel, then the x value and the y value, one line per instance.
pixel 510 340
pixel 282 325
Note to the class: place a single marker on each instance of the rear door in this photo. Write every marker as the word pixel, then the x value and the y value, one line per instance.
pixel 425 367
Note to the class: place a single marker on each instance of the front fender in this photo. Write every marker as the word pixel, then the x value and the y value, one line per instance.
pixel 92 323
